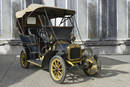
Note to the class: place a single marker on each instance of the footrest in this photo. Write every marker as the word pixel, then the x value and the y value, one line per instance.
pixel 36 62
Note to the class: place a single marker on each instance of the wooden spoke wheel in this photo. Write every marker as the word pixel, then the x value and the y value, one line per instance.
pixel 57 69
pixel 94 67
pixel 23 59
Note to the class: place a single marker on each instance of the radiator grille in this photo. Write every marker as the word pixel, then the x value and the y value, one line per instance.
pixel 75 53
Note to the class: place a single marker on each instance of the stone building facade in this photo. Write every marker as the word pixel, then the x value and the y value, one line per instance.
pixel 103 24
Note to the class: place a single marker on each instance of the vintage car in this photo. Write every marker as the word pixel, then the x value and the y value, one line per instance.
pixel 47 35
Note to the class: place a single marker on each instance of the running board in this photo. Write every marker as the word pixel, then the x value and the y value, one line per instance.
pixel 32 62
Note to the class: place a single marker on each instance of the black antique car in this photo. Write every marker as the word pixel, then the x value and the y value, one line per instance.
pixel 47 35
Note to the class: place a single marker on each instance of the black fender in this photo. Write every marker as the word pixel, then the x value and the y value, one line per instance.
pixel 47 58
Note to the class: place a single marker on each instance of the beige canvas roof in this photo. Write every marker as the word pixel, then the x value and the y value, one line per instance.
pixel 51 11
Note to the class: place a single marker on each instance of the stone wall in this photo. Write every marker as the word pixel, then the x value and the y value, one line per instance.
pixel 98 20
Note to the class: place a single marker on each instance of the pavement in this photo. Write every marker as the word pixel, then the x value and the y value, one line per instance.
pixel 115 73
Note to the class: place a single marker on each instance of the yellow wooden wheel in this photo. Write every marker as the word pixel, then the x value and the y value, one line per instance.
pixel 57 69
pixel 23 59
pixel 94 66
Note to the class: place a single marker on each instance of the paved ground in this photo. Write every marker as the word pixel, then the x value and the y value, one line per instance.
pixel 115 73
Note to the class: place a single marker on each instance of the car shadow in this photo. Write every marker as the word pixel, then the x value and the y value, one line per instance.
pixel 107 64
pixel 77 75
pixel 110 73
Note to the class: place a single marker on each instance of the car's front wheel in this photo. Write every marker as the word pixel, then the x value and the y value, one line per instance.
pixel 94 66
pixel 57 69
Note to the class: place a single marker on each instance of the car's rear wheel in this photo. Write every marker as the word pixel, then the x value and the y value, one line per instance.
pixel 23 59
pixel 57 69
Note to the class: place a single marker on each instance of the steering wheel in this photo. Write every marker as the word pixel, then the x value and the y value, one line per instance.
pixel 43 35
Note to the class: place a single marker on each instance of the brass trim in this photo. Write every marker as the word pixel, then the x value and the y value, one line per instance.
pixel 42 57
pixel 69 62
pixel 74 46
pixel 54 48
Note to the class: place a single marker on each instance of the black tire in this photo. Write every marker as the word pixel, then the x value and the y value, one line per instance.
pixel 23 60
pixel 88 70
pixel 59 68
